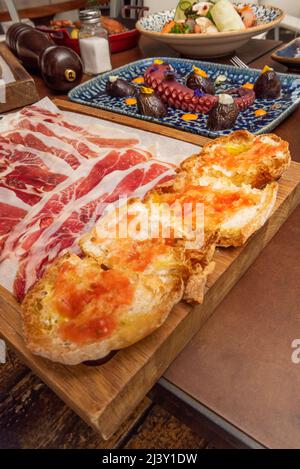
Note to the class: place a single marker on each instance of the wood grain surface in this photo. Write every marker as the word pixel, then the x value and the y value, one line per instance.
pixel 32 416
pixel 104 396
pixel 23 90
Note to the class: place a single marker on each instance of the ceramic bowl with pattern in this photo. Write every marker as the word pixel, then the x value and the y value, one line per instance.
pixel 289 54
pixel 93 93
pixel 209 45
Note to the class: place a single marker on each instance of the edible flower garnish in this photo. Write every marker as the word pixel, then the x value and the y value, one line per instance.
pixel 198 93
pixel 248 86
pixel 158 61
pixel 130 101
pixel 146 90
pixel 266 69
pixel 199 72
pixel 138 80
pixel 260 112
pixel 189 117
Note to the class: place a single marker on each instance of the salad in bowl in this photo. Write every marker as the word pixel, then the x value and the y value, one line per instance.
pixel 209 29
pixel 208 17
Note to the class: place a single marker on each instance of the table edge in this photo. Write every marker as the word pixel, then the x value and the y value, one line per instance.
pixel 210 415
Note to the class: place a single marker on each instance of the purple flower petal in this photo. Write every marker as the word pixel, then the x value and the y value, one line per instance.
pixel 198 93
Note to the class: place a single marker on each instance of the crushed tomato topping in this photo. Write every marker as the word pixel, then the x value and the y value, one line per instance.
pixel 89 301
pixel 137 255
pixel 216 203
pixel 236 154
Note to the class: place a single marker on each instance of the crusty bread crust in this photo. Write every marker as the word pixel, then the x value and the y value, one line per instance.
pixel 265 169
pixel 195 287
pixel 238 236
pixel 41 323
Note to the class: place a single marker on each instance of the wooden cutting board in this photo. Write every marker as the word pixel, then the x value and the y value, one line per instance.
pixel 105 395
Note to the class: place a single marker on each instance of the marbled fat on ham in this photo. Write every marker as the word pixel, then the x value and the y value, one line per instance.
pixel 9 217
pixel 58 119
pixel 56 178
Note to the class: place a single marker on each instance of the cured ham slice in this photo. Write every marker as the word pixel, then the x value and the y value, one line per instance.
pixel 30 182
pixel 79 146
pixel 35 142
pixel 58 118
pixel 44 214
pixel 26 174
pixel 9 217
pixel 11 154
pixel 56 179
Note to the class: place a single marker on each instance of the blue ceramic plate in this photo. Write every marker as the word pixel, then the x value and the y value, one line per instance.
pixel 92 93
pixel 289 54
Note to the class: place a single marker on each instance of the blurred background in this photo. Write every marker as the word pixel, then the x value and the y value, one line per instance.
pixel 39 10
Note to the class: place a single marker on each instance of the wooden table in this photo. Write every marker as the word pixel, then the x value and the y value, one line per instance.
pixel 235 382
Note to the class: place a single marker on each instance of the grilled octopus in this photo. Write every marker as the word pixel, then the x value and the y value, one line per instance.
pixel 162 79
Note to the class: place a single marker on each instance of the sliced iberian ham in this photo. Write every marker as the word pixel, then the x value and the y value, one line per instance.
pixel 35 141
pixel 56 179
pixel 26 174
pixel 59 119
pixel 10 215
pixel 47 211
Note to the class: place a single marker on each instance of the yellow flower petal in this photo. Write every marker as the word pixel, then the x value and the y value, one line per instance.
pixel 158 61
pixel 189 117
pixel 248 86
pixel 260 112
pixel 146 90
pixel 266 69
pixel 138 80
pixel 200 72
pixel 130 101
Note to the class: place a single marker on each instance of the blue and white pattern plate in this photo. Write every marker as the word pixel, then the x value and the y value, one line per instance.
pixel 92 93
pixel 289 54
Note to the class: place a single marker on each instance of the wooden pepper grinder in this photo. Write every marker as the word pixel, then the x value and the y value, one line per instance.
pixel 60 67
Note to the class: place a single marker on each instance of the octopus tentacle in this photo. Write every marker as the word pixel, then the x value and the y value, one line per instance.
pixel 177 95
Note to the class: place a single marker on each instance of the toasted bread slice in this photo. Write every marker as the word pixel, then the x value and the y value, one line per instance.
pixel 130 253
pixel 149 225
pixel 233 212
pixel 238 225
pixel 81 311
pixel 239 158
